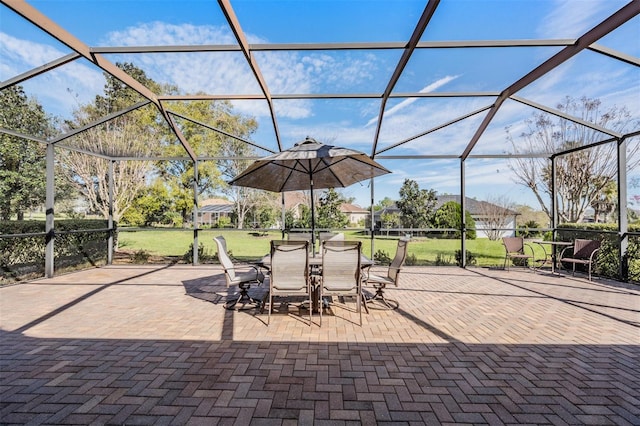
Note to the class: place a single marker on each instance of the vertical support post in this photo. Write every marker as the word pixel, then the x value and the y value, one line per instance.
pixel 463 221
pixel 554 198
pixel 195 213
pixel 110 238
pixel 284 216
pixel 49 259
pixel 372 225
pixel 623 221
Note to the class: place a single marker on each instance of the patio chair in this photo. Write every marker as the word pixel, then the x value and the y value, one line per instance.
pixel 234 277
pixel 515 249
pixel 328 236
pixel 301 236
pixel 289 273
pixel 341 274
pixel 583 252
pixel 380 282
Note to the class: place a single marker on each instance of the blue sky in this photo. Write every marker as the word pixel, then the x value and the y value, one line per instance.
pixel 350 123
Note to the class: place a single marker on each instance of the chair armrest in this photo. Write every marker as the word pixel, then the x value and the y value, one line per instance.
pixel 544 250
pixel 593 255
pixel 237 266
pixel 533 253
pixel 563 250
pixel 259 274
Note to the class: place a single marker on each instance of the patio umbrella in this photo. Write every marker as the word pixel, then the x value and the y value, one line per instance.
pixel 309 165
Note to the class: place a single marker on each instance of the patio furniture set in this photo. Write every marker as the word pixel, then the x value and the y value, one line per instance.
pixel 293 269
pixel 579 252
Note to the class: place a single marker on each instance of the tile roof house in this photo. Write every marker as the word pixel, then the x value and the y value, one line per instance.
pixel 356 214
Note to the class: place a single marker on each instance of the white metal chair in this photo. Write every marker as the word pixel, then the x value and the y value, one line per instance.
pixel 380 282
pixel 289 273
pixel 243 280
pixel 341 274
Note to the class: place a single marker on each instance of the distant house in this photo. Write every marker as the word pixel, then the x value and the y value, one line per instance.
pixel 356 214
pixel 211 210
pixel 294 200
pixel 478 210
pixel 482 213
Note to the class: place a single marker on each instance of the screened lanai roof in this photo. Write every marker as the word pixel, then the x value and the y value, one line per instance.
pixel 395 79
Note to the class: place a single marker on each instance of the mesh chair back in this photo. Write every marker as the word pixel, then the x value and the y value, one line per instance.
pixel 582 249
pixel 224 258
pixel 341 266
pixel 289 266
pixel 398 260
pixel 301 236
pixel 513 244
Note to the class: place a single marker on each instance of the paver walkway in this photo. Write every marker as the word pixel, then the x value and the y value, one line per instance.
pixel 154 345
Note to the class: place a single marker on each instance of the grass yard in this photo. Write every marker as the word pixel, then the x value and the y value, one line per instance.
pixel 247 245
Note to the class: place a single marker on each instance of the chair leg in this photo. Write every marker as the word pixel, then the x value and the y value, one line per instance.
pixel 243 298
pixel 320 304
pixel 380 297
pixel 270 306
pixel 364 302
pixel 359 299
pixel 310 305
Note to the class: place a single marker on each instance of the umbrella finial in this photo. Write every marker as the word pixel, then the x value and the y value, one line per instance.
pixel 308 139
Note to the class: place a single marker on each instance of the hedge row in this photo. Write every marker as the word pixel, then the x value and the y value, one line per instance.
pixel 24 256
pixel 608 260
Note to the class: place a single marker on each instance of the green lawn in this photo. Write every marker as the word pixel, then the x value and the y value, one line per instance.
pixel 247 245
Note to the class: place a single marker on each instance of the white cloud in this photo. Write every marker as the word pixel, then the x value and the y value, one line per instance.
pixel 161 33
pixel 17 51
pixel 59 90
pixel 284 72
pixel 570 19
pixel 402 105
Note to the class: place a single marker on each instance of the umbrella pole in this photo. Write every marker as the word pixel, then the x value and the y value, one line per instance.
pixel 313 219
pixel 284 216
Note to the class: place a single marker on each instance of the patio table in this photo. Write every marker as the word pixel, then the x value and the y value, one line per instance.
pixel 552 256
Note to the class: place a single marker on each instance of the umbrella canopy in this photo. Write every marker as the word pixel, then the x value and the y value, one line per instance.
pixel 308 165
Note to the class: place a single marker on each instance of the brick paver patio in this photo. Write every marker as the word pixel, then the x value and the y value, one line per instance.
pixel 154 345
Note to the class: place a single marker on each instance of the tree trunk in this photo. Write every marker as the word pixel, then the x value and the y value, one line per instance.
pixel 241 216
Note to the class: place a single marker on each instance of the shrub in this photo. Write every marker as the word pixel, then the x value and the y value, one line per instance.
pixel 78 242
pixel 441 260
pixel 224 222
pixel 382 257
pixel 140 257
pixel 529 230
pixel 203 254
pixel 411 260
pixel 471 258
